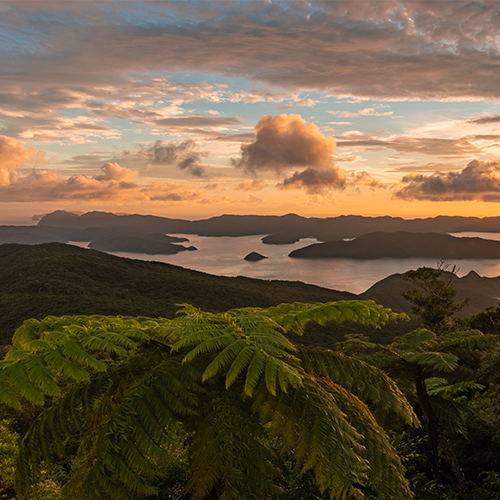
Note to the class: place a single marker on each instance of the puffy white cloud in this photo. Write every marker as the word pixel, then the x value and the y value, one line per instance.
pixel 284 142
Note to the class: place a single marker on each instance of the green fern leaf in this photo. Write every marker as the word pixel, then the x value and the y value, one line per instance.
pixel 20 381
pixel 42 377
pixel 7 394
pixel 439 361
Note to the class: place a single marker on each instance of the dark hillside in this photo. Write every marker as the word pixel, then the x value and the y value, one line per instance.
pixel 483 292
pixel 58 279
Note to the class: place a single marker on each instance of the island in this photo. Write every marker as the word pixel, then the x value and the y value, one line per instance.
pixel 401 245
pixel 254 257
pixel 152 244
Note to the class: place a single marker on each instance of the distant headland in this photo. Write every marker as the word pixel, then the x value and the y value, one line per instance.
pixel 382 236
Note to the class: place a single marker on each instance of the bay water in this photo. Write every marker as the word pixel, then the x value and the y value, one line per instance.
pixel 224 256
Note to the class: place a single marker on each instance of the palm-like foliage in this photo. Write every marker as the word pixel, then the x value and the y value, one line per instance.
pixel 430 369
pixel 124 389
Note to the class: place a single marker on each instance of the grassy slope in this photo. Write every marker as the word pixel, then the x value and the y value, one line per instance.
pixel 57 279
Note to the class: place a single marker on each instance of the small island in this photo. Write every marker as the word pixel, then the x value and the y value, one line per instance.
pixel 255 257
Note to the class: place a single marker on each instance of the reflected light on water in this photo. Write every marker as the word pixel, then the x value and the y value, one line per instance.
pixel 225 256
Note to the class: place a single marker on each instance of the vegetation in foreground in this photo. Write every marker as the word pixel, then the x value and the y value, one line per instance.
pixel 224 406
pixel 122 394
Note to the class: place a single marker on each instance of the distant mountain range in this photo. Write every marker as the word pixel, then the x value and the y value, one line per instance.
pixel 59 279
pixel 147 233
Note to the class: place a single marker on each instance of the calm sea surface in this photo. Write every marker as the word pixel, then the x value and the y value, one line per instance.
pixel 225 256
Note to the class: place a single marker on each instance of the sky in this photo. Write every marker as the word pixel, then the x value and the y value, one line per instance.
pixel 192 109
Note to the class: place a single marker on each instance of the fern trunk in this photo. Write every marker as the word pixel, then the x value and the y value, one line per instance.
pixel 437 437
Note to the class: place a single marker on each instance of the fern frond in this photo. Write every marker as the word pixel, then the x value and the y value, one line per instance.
pixel 386 473
pixel 22 384
pixel 440 361
pixel 313 427
pixel 366 381
pixel 228 451
pixel 42 376
pixel 123 427
pixel 294 317
pixel 60 364
pixel 420 339
pixel 8 395
pixel 441 387
pixel 453 414
pixel 468 339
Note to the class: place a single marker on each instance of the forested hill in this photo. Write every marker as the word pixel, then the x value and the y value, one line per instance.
pixel 59 279
pixel 402 245
pixel 483 292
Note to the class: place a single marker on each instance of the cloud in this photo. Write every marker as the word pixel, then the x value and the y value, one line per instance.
pixel 244 137
pixel 251 185
pixel 198 121
pixel 448 49
pixel 480 181
pixel 13 155
pixel 361 112
pixel 214 187
pixel 315 181
pixel 50 185
pixel 428 167
pixel 284 142
pixel 183 154
pixel 49 129
pixel 411 145
pixel 113 182
pixel 114 172
pixel 168 191
pixel 485 120
pixel 365 179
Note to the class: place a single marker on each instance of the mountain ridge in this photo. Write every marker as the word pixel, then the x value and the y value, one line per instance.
pixel 65 226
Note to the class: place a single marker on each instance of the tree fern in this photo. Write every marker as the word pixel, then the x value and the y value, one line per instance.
pixel 124 388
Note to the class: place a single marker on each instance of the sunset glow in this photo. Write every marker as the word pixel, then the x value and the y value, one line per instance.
pixel 193 109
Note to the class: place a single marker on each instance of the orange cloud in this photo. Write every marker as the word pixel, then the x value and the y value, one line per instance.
pixel 480 181
pixel 365 179
pixel 251 185
pixel 114 172
pixel 283 142
pixel 13 155
pixel 113 182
